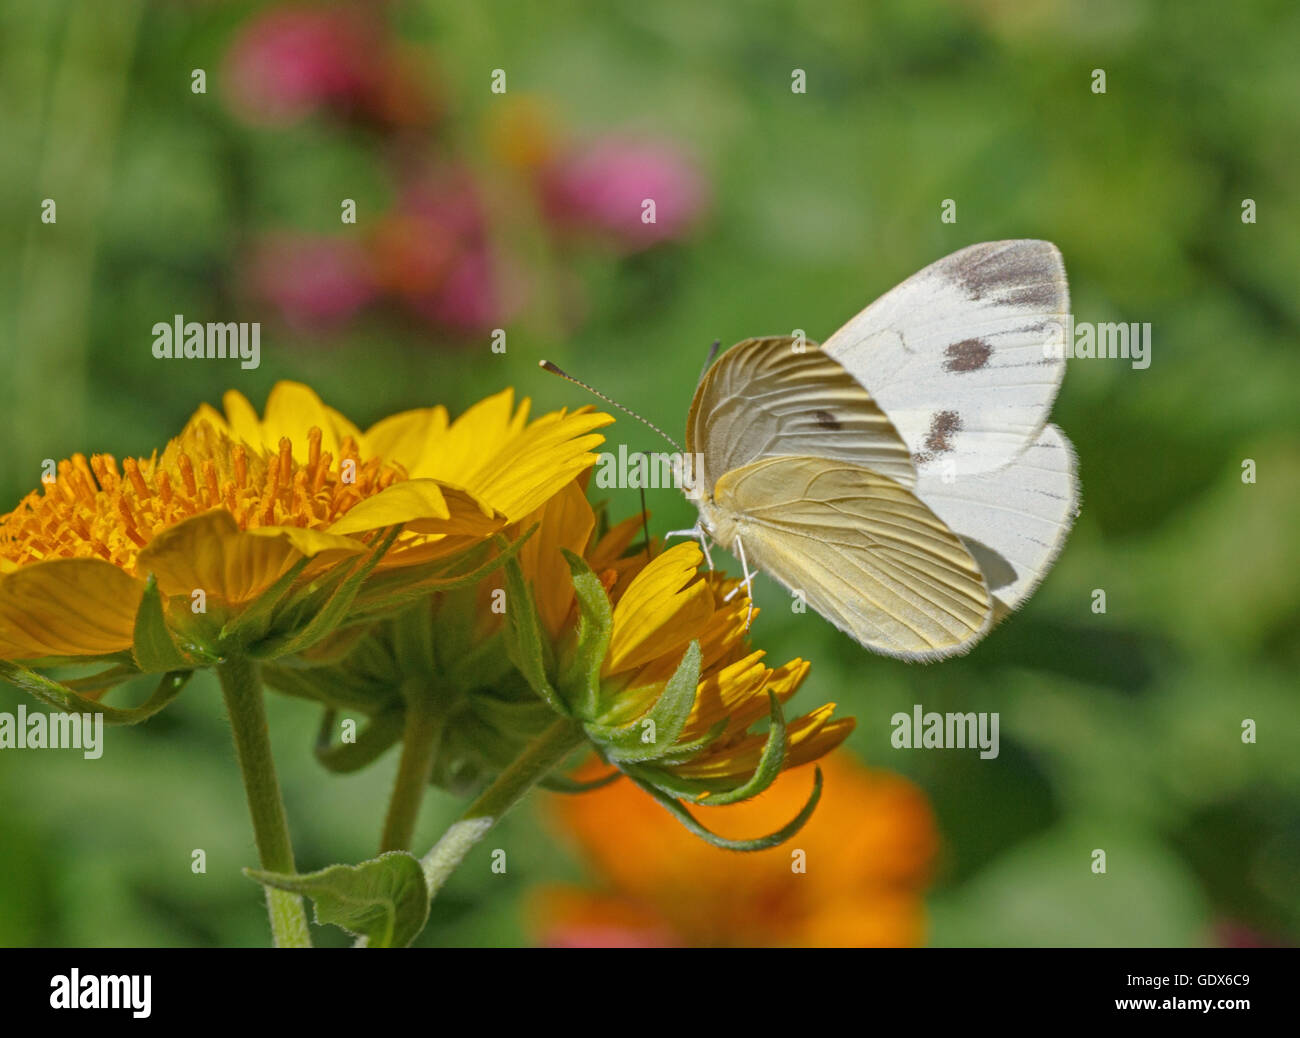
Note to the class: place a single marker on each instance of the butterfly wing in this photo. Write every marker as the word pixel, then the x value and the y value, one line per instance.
pixel 965 356
pixel 1014 520
pixel 775 397
pixel 866 553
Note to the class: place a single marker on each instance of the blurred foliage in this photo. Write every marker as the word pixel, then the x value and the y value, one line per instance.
pixel 1120 731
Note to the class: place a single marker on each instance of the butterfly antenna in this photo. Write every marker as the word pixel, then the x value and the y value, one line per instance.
pixel 548 366
pixel 713 352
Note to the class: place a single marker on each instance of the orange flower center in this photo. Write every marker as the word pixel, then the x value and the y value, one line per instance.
pixel 94 510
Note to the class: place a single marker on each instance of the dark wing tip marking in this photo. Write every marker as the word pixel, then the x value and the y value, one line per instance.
pixel 1020 274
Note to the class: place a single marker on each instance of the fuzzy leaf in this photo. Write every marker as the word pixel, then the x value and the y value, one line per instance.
pixel 384 899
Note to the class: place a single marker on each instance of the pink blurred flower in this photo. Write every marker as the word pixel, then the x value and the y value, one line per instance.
pixel 481 291
pixel 315 281
pixel 288 62
pixel 432 252
pixel 604 188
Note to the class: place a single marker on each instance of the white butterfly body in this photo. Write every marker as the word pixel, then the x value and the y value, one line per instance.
pixel 902 477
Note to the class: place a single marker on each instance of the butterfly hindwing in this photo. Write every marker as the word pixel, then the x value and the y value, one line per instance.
pixel 864 551
pixel 1014 519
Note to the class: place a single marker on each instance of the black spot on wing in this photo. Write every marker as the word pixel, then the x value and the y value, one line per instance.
pixel 826 420
pixel 943 426
pixel 967 355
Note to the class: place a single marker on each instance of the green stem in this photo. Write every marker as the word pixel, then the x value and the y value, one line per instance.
pixel 419 743
pixel 242 687
pixel 542 754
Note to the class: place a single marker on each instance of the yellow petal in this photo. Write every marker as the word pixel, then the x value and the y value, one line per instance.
pixel 807 738
pixel 67 607
pixel 566 521
pixel 403 438
pixel 292 409
pixel 210 552
pixel 425 504
pixel 663 609
pixel 241 419
pixel 461 450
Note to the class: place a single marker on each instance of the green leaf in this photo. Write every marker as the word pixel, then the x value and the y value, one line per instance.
pixel 761 843
pixel 580 681
pixel 769 764
pixel 382 732
pixel 669 714
pixel 155 651
pixel 63 698
pixel 524 642
pixel 384 900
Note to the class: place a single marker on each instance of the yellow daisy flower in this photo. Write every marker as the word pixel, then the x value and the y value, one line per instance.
pixel 236 503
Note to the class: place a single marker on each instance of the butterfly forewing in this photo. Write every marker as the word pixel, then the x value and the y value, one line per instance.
pixel 863 550
pixel 779 397
pixel 965 356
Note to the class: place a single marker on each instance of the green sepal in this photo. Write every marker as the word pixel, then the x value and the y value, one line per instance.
pixel 762 843
pixel 384 900
pixel 525 645
pixel 393 591
pixel 669 714
pixel 580 680
pixel 383 731
pixel 333 687
pixel 521 718
pixel 154 649
pixel 485 663
pixel 102 681
pixel 684 751
pixel 330 615
pixel 63 698
pixel 769 764
pixel 413 640
pixel 565 784
pixel 254 623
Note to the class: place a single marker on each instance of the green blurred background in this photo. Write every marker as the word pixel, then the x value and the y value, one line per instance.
pixel 1120 731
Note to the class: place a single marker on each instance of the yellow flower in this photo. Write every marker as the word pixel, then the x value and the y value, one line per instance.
pixel 236 502
pixel 663 610
pixel 652 659
pixel 870 848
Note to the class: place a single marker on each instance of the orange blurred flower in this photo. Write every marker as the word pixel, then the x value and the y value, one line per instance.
pixel 867 852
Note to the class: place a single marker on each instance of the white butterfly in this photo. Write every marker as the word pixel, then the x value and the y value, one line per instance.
pixel 902 476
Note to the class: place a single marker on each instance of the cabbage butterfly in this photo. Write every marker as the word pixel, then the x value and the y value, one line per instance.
pixel 902 476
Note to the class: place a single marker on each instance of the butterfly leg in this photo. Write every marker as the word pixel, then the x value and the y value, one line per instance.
pixel 746 583
pixel 695 533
